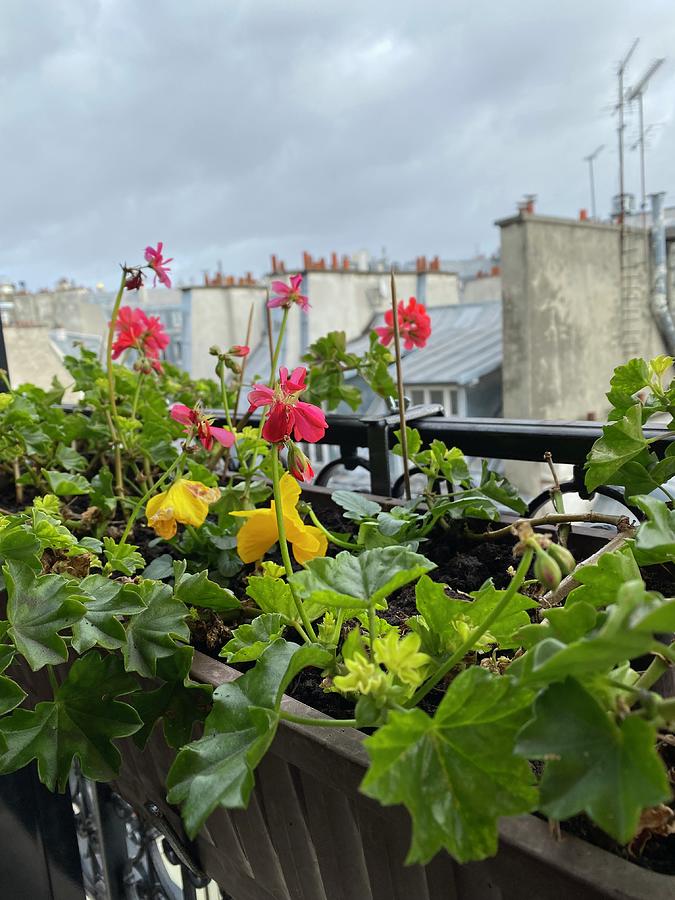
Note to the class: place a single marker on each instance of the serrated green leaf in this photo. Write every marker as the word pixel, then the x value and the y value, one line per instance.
pixel 198 590
pixel 609 771
pixel 66 484
pixel 38 608
pixel 621 442
pixel 159 568
pixel 180 702
pixel 218 768
pixel 355 506
pixel 104 601
pixel 70 459
pixel 599 582
pixel 10 694
pixel 82 721
pixel 655 538
pixel 499 488
pixel 17 543
pixel 122 558
pixel 354 582
pixel 272 595
pixel 414 442
pixel 250 640
pixel 455 773
pixel 102 494
pixel 152 633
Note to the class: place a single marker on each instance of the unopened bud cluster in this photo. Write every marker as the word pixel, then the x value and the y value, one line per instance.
pixel 552 562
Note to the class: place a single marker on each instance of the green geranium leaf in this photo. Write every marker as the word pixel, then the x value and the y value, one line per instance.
pixel 609 771
pixel 455 773
pixel 65 484
pixel 10 694
pixel 355 506
pixel 17 543
pixel 621 442
pixel 122 558
pixel 104 601
pixel 655 538
pixel 414 442
pixel 197 590
pixel 499 488
pixel 82 721
pixel 272 595
pixel 180 702
pixel 218 769
pixel 70 459
pixel 159 568
pixel 469 505
pixel 249 641
pixel 513 617
pixel 102 495
pixel 49 530
pixel 354 582
pixel 599 583
pixel 152 633
pixel 626 381
pixel 38 608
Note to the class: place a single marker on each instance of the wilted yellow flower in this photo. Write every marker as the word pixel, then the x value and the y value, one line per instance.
pixel 186 502
pixel 260 532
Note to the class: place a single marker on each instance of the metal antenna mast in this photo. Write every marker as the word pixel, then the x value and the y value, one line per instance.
pixel 620 109
pixel 637 93
pixel 590 159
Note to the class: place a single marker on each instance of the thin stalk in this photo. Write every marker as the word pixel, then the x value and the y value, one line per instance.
pixel 399 385
pixel 557 499
pixel 117 459
pixel 116 431
pixel 137 394
pixel 223 395
pixel 317 723
pixel 334 539
pixel 283 543
pixel 478 631
pixel 656 668
pixel 551 519
pixel 372 626
pixel 268 313
pixel 18 488
pixel 52 679
pixel 277 348
pixel 249 329
pixel 666 710
pixel 146 496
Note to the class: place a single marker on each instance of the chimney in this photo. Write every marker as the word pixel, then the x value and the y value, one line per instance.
pixel 275 267
pixel 229 281
pixel 306 260
pixel 583 215
pixel 345 263
pixel 495 271
pixel 435 265
pixel 333 261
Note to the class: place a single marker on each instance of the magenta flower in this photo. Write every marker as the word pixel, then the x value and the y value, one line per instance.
pixel 285 295
pixel 194 420
pixel 159 265
pixel 288 414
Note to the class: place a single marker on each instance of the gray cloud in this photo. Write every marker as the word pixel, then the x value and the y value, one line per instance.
pixel 230 130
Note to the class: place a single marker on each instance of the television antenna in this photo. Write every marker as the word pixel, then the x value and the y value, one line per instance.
pixel 637 93
pixel 590 159
pixel 620 107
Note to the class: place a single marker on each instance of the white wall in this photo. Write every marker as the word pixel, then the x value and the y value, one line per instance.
pixel 219 315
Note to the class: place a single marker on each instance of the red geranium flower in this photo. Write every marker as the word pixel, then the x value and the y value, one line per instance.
pixel 239 350
pixel 287 295
pixel 159 265
pixel 288 414
pixel 137 331
pixel 195 420
pixel 414 325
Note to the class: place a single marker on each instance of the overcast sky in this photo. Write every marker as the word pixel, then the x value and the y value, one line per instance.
pixel 232 129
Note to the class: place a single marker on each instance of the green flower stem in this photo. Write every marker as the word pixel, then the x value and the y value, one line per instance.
pixel 116 430
pixel 146 496
pixel 223 395
pixel 317 723
pixel 666 710
pixel 137 394
pixel 478 631
pixel 283 543
pixel 372 627
pixel 347 545
pixel 275 363
pixel 656 668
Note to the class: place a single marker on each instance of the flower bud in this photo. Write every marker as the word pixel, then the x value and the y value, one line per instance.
pixel 298 464
pixel 214 350
pixel 239 350
pixel 563 557
pixel 547 571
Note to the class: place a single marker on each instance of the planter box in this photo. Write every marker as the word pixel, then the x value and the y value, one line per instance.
pixel 308 834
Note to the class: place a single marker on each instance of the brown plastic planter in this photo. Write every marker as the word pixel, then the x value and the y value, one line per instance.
pixel 308 834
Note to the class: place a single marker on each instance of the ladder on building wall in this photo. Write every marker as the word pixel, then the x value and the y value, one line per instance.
pixel 633 292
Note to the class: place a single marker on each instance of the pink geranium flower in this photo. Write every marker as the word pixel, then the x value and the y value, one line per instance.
pixel 139 332
pixel 286 295
pixel 288 414
pixel 239 350
pixel 159 265
pixel 195 421
pixel 298 464
pixel 414 325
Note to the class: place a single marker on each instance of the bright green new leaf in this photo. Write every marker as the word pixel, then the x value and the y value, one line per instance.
pixel 198 590
pixel 82 721
pixel 621 442
pixel 18 543
pixel 152 633
pixel 272 595
pixel 499 488
pixel 250 640
pixel 354 582
pixel 65 484
pixel 600 582
pixel 179 702
pixel 218 768
pixel 626 381
pixel 122 558
pixel 414 442
pixel 655 538
pixel 455 773
pixel 105 602
pixel 70 459
pixel 38 608
pixel 609 771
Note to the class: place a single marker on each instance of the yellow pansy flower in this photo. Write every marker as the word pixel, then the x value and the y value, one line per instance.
pixel 260 532
pixel 186 502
